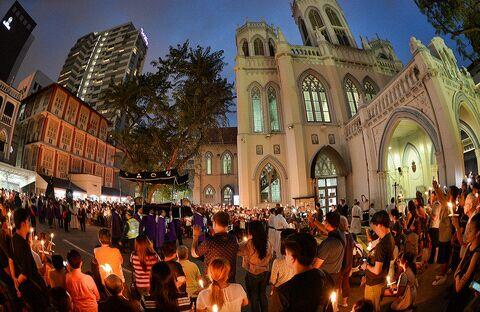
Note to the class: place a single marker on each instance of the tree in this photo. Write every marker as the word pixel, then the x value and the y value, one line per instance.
pixel 167 115
pixel 458 18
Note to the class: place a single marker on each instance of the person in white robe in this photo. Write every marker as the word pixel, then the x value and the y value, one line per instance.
pixel 280 224
pixel 356 224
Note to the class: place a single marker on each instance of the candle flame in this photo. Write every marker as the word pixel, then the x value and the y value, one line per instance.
pixel 200 282
pixel 245 239
pixel 31 230
pixel 36 237
pixel 214 308
pixel 333 297
pixel 107 268
pixel 51 235
pixel 42 242
pixel 9 214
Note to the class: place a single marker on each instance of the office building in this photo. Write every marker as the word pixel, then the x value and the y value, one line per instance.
pixel 99 59
pixel 15 38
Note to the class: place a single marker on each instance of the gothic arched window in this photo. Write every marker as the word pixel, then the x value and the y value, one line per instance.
pixel 228 195
pixel 352 96
pixel 304 32
pixel 208 163
pixel 370 90
pixel 209 192
pixel 257 110
pixel 245 50
pixel 271 47
pixel 227 163
pixel 315 19
pixel 270 191
pixel 333 17
pixel 258 47
pixel 315 99
pixel 273 109
pixel 9 108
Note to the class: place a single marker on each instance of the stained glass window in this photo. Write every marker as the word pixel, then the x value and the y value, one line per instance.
pixel 273 110
pixel 270 185
pixel 352 96
pixel 315 99
pixel 227 163
pixel 257 110
pixel 324 167
pixel 370 90
pixel 227 195
pixel 208 162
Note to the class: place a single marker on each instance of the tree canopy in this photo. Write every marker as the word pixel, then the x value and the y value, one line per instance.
pixel 458 18
pixel 167 115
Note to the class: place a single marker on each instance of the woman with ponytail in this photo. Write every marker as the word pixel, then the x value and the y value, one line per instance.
pixel 164 295
pixel 225 296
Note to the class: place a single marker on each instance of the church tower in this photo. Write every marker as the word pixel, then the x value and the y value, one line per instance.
pixel 322 20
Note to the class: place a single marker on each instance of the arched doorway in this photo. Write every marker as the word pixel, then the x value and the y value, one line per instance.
pixel 468 144
pixel 410 166
pixel 327 172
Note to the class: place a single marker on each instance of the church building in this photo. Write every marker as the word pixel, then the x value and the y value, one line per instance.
pixel 332 119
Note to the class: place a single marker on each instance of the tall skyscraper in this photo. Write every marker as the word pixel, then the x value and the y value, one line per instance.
pixel 101 58
pixel 15 38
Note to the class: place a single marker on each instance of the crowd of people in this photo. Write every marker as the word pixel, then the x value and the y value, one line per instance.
pixel 294 259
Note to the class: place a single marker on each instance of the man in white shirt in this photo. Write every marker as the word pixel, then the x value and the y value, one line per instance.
pixel 280 224
pixel 434 224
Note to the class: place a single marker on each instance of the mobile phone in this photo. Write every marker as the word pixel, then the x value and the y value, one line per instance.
pixel 475 286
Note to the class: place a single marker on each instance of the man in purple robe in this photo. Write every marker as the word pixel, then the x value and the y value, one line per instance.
pixel 148 225
pixel 160 230
pixel 172 235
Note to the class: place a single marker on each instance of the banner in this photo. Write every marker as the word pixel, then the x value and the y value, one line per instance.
pixel 158 177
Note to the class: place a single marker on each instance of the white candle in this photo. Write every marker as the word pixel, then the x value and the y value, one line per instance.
pixel 200 282
pixel 333 299
pixel 107 268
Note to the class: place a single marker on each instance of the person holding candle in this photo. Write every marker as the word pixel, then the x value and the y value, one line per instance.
pixel 108 255
pixel 30 282
pixel 80 286
pixel 405 289
pixel 191 271
pixel 143 258
pixel 221 295
pixel 376 274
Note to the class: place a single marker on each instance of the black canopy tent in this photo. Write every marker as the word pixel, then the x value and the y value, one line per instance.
pixel 169 177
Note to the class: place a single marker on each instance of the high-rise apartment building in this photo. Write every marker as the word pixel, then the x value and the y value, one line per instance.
pixel 101 58
pixel 15 38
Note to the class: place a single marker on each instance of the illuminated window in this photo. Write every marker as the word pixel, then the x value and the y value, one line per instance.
pixel 209 192
pixel 315 100
pixel 208 163
pixel 257 110
pixel 352 96
pixel 228 195
pixel 273 110
pixel 269 185
pixel 227 163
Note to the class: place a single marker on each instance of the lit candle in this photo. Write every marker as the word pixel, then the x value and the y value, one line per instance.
pixel 476 195
pixel 36 237
pixel 51 237
pixel 31 230
pixel 107 268
pixel 245 239
pixel 214 308
pixel 450 207
pixel 200 282
pixel 333 299
pixel 42 242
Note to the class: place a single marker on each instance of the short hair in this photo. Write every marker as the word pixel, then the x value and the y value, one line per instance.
pixel 74 259
pixel 283 236
pixel 19 216
pixel 169 249
pixel 221 218
pixel 57 262
pixel 395 213
pixel 114 284
pixel 182 252
pixel 104 236
pixel 381 218
pixel 59 299
pixel 333 218
pixel 303 247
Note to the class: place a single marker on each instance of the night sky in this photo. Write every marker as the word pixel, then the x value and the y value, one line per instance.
pixel 206 22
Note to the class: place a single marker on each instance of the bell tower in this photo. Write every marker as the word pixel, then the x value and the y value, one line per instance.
pixel 320 21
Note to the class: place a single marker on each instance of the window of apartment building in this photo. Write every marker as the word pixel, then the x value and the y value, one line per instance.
pixel 103 132
pixel 82 120
pixel 99 170
pixel 87 167
pixel 76 165
pixel 48 161
pixel 62 166
pixel 108 177
pixel 52 131
pixel 90 148
pixel 110 156
pixel 78 146
pixel 66 138
pixel 71 111
pixel 101 153
pixel 59 103
pixel 93 125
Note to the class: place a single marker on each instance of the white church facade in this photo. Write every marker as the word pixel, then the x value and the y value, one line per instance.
pixel 329 119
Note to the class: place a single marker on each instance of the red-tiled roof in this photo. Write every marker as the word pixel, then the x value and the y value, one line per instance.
pixel 227 135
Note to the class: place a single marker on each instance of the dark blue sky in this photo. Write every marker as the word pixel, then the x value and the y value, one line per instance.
pixel 206 22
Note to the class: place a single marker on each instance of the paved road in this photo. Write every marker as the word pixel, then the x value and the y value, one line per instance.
pixel 429 298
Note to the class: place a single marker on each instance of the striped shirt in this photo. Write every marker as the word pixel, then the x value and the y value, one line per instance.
pixel 183 302
pixel 142 277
